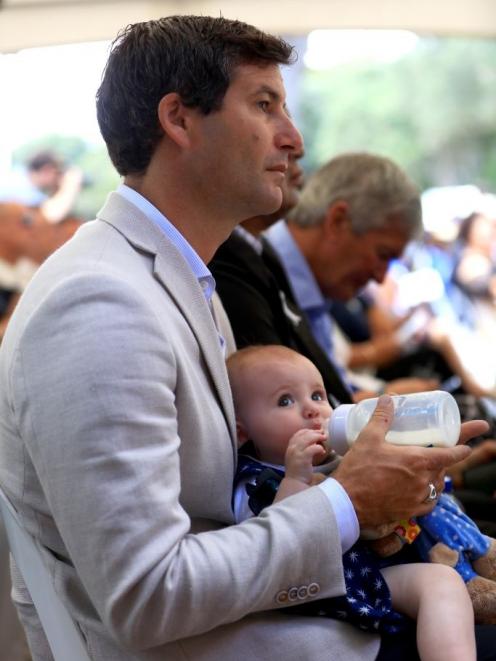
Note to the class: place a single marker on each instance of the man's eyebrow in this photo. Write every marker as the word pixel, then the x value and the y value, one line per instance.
pixel 266 89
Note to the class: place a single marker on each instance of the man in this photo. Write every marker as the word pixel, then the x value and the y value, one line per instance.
pixel 355 215
pixel 256 295
pixel 117 429
pixel 45 183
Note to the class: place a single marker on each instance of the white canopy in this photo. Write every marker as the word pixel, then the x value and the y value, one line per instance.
pixel 27 23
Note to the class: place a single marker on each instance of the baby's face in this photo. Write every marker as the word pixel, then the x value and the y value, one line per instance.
pixel 286 395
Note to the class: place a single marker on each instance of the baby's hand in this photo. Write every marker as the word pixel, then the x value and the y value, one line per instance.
pixel 305 449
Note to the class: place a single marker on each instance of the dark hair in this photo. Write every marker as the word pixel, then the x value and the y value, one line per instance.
pixel 466 225
pixel 42 158
pixel 192 55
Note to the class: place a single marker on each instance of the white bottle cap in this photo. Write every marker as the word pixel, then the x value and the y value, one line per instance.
pixel 338 440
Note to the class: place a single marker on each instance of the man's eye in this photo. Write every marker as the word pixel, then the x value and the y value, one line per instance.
pixel 284 400
pixel 264 105
pixel 317 396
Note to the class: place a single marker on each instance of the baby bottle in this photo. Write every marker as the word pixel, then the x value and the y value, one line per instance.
pixel 424 418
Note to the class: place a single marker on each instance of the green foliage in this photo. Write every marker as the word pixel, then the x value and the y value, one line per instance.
pixel 432 111
pixel 99 175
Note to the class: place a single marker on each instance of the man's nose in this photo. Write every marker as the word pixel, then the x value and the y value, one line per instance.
pixel 288 136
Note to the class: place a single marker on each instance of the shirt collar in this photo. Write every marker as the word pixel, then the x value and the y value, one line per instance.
pixel 200 270
pixel 305 288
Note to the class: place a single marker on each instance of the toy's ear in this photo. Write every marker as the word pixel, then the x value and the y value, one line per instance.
pixel 174 116
pixel 386 546
pixel 443 555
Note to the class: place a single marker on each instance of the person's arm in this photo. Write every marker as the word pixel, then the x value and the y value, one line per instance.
pixel 58 206
pixel 377 352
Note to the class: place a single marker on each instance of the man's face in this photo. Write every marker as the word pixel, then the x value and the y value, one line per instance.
pixel 242 150
pixel 48 178
pixel 292 185
pixel 350 260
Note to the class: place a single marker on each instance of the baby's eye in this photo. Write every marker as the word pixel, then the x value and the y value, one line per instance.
pixel 317 396
pixel 285 400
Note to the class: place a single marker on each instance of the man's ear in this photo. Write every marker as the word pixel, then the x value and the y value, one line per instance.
pixel 337 218
pixel 241 432
pixel 173 116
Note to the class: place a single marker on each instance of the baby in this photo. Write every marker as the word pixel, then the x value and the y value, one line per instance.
pixel 282 413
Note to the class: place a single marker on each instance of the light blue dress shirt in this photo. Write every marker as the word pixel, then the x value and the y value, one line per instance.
pixel 200 270
pixel 305 288
pixel 309 298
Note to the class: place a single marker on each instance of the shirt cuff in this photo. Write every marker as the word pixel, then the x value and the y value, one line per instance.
pixel 343 509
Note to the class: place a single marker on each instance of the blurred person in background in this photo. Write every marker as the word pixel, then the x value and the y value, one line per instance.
pixel 46 183
pixel 475 268
pixel 26 240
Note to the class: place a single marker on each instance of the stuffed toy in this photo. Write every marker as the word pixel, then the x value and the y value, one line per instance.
pixel 450 537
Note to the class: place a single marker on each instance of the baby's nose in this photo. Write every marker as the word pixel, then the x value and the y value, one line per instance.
pixel 311 411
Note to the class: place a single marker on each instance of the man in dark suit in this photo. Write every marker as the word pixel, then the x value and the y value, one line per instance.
pixel 267 312
pixel 256 293
pixel 259 300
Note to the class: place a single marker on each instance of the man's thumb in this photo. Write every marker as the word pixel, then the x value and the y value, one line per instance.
pixel 382 417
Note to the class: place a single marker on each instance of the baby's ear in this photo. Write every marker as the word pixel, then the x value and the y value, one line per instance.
pixel 241 433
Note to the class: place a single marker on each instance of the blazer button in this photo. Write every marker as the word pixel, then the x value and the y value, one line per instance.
pixel 313 589
pixel 293 594
pixel 282 597
pixel 303 592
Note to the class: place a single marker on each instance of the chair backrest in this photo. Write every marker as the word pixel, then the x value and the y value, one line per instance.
pixel 62 634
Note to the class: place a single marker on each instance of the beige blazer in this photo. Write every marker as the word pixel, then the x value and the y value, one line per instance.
pixel 117 448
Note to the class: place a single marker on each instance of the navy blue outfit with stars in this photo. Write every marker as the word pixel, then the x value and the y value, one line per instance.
pixel 367 602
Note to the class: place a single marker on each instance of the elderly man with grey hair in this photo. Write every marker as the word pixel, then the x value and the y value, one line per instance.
pixel 354 216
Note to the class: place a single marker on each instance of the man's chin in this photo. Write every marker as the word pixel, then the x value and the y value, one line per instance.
pixel 271 203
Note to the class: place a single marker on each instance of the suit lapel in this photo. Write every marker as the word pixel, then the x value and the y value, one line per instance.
pixel 308 344
pixel 175 275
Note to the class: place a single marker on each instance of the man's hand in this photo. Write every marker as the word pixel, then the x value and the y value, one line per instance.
pixel 387 482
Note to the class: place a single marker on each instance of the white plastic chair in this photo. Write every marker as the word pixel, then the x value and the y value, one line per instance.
pixel 63 637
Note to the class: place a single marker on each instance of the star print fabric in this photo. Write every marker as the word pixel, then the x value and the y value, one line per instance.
pixel 367 603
